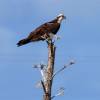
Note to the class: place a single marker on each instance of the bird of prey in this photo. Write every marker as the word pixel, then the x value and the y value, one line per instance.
pixel 46 31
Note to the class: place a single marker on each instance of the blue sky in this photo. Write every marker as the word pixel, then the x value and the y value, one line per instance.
pixel 80 39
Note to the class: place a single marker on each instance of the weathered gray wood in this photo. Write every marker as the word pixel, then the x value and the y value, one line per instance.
pixel 50 70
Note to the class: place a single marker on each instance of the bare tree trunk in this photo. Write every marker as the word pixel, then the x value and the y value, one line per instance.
pixel 50 70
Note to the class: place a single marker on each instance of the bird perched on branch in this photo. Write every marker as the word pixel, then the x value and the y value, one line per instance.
pixel 46 31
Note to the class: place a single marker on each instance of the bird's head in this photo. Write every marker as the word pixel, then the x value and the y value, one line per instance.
pixel 60 17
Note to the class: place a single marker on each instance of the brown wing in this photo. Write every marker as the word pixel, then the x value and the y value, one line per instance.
pixel 36 35
pixel 42 32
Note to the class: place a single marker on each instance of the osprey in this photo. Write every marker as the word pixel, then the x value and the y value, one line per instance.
pixel 46 31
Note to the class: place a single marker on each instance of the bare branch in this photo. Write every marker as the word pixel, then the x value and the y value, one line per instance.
pixel 65 66
pixel 60 92
pixel 38 84
pixel 43 85
pixel 43 70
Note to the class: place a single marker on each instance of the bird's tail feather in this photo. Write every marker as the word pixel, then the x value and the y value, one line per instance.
pixel 22 42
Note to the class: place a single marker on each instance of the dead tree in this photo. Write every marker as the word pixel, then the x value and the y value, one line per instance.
pixel 50 70
pixel 47 72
